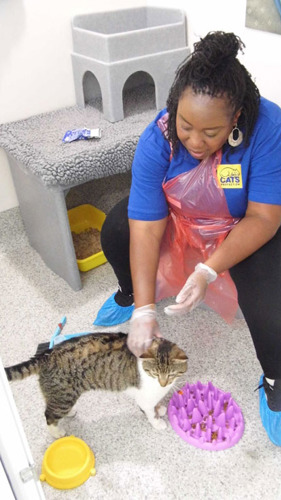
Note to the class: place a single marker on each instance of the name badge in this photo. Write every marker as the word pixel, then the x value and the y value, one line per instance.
pixel 229 176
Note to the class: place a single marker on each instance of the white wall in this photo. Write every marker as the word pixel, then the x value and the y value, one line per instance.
pixel 262 53
pixel 35 47
pixel 35 63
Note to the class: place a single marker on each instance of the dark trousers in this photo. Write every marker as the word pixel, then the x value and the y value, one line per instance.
pixel 257 279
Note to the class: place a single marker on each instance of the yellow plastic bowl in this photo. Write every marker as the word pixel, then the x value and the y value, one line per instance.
pixel 67 463
pixel 82 218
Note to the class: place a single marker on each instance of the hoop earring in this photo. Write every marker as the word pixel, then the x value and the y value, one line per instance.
pixel 235 137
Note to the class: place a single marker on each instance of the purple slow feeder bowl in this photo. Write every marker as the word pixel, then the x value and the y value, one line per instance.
pixel 206 417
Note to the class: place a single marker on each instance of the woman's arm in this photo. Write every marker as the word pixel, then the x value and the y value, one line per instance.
pixel 145 240
pixel 259 225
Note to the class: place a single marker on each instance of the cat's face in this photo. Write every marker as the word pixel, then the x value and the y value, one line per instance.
pixel 164 361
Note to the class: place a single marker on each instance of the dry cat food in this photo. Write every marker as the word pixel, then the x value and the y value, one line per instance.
pixel 86 243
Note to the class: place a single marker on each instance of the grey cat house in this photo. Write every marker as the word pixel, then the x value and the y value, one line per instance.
pixel 112 51
pixel 126 47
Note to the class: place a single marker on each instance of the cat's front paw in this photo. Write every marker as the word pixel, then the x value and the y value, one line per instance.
pixel 158 424
pixel 71 414
pixel 161 410
pixel 56 431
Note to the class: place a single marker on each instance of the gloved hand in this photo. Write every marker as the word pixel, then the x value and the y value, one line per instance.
pixel 143 328
pixel 194 290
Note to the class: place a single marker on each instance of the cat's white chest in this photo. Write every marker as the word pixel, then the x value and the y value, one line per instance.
pixel 148 395
pixel 150 391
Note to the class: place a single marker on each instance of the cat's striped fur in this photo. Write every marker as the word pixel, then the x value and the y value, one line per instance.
pixel 103 361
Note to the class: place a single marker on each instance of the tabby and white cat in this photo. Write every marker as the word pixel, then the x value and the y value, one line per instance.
pixel 103 362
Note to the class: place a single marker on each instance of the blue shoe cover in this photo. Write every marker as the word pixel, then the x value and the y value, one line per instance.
pixel 112 314
pixel 271 420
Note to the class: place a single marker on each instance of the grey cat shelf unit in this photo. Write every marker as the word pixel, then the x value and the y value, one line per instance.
pixel 113 46
pixel 110 47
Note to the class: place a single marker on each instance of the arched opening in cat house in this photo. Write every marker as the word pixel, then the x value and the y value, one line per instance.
pixel 138 94
pixel 92 91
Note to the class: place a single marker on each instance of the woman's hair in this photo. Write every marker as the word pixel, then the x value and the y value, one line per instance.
pixel 213 69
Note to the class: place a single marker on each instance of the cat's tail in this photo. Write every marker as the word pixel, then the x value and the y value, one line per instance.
pixel 22 370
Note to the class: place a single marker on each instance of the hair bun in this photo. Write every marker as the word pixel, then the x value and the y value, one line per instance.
pixel 217 47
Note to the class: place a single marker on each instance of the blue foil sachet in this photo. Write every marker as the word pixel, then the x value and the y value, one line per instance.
pixel 81 133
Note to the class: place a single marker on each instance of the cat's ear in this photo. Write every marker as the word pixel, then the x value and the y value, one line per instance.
pixel 149 354
pixel 181 357
pixel 179 354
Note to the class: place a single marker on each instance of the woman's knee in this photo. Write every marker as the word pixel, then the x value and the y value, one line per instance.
pixel 262 266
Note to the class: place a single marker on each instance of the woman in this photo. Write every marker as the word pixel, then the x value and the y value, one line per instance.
pixel 204 205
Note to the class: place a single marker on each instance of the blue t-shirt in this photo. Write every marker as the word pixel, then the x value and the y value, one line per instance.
pixel 260 168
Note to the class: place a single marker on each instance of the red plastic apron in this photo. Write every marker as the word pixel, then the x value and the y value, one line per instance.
pixel 198 221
